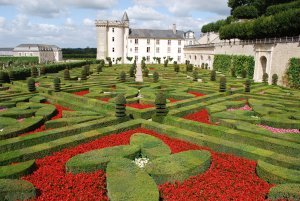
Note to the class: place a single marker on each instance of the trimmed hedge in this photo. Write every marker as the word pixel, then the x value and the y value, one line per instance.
pixel 179 167
pixel 13 189
pixel 293 73
pixel 272 10
pixel 17 170
pixel 285 191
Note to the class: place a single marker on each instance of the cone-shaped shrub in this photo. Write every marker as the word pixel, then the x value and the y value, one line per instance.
pixel 247 86
pixel 122 77
pixel 34 72
pixel 56 83
pixel 146 72
pixel 87 70
pixel 265 78
pixel 274 79
pixel 43 70
pixel 155 76
pixel 176 68
pixel 132 71
pixel 195 75
pixel 120 101
pixel 213 75
pixel 109 63
pixel 222 84
pixel 83 74
pixel 100 68
pixel 66 74
pixel 189 68
pixel 244 73
pixel 166 63
pixel 232 71
pixel 2 77
pixel 11 75
pixel 143 64
pixel 31 85
pixel 161 104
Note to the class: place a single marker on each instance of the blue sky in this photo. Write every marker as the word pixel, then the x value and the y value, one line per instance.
pixel 70 23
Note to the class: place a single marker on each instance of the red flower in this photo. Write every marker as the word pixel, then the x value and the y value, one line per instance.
pixel 139 105
pixel 81 93
pixel 196 94
pixel 201 116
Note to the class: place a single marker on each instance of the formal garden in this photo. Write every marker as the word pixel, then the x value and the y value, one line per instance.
pixel 82 131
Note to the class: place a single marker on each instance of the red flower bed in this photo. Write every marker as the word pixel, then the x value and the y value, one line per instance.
pixel 172 100
pixel 196 94
pixel 201 116
pixel 104 99
pixel 228 178
pixel 139 105
pixel 59 110
pixel 81 93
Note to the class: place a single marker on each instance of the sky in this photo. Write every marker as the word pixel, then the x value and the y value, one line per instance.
pixel 70 23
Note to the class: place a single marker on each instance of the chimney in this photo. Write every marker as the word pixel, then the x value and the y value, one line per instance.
pixel 174 29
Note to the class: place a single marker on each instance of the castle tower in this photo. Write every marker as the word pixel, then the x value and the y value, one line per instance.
pixel 112 38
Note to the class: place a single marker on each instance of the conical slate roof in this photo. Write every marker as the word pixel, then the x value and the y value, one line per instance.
pixel 125 17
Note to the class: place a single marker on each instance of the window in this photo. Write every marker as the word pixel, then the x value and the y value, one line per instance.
pixel 136 50
pixel 136 58
pixel 130 49
pixel 169 50
pixel 157 42
pixel 136 41
pixel 157 50
pixel 169 42
pixel 179 42
pixel 113 30
pixel 148 41
pixel 113 39
pixel 195 57
pixel 179 50
pixel 113 49
pixel 148 49
pixel 148 58
pixel 179 59
pixel 113 59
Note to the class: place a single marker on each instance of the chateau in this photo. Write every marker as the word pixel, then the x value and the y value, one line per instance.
pixel 115 39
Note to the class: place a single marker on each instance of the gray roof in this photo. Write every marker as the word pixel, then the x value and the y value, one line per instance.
pixel 152 33
pixel 6 49
pixel 125 17
pixel 34 47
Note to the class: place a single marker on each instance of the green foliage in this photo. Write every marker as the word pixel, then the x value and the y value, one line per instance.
pixel 222 63
pixel 66 74
pixel 215 26
pixel 43 70
pixel 293 73
pixel 195 75
pixel 245 12
pixel 120 101
pixel 244 73
pixel 285 191
pixel 34 72
pixel 213 75
pixel 2 77
pixel 20 60
pixel 56 83
pixel 189 67
pixel 122 77
pixel 79 53
pixel 100 67
pixel 146 72
pixel 272 10
pixel 143 64
pixel 160 103
pixel 166 62
pixel 222 84
pixel 132 71
pixel 176 68
pixel 232 71
pixel 247 86
pixel 274 79
pixel 129 58
pixel 83 74
pixel 11 75
pixel 155 77
pixel 202 65
pixel 18 170
pixel 265 78
pixel 31 85
pixel 14 189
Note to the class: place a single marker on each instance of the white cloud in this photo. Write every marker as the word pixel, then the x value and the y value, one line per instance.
pixel 2 22
pixel 92 4
pixel 144 13
pixel 88 22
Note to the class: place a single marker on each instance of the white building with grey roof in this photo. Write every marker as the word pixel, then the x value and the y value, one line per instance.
pixel 115 39
pixel 45 53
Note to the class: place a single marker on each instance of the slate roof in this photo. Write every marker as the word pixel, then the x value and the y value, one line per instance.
pixel 152 33
pixel 125 17
pixel 6 49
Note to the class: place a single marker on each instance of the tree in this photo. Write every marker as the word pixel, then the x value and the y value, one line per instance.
pixel 222 87
pixel 43 70
pixel 155 76
pixel 195 75
pixel 120 101
pixel 31 85
pixel 247 86
pixel 245 12
pixel 274 79
pixel 122 76
pixel 66 74
pixel 213 75
pixel 56 83
pixel 34 72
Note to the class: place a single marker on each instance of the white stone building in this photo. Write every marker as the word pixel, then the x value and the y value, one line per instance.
pixel 45 53
pixel 115 39
pixel 6 52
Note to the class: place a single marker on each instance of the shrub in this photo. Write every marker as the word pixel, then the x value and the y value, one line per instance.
pixel 146 72
pixel 247 85
pixel 120 101
pixel 31 85
pixel 293 73
pixel 195 75
pixel 155 76
pixel 244 73
pixel 110 63
pixel 99 68
pixel 176 68
pixel 11 75
pixel 213 75
pixel 245 12
pixel 122 77
pixel 232 71
pixel 166 63
pixel 202 65
pixel 43 70
pixel 132 71
pixel 160 103
pixel 206 66
pixel 2 77
pixel 66 74
pixel 265 78
pixel 83 74
pixel 189 68
pixel 274 79
pixel 272 10
pixel 56 83
pixel 143 64
pixel 222 84
pixel 34 72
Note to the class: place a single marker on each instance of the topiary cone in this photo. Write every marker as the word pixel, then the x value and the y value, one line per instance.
pixel 195 76
pixel 155 76
pixel 161 104
pixel 265 78
pixel 2 77
pixel 34 72
pixel 66 74
pixel 56 83
pixel 213 75
pixel 11 75
pixel 274 79
pixel 222 84
pixel 83 74
pixel 122 76
pixel 31 85
pixel 247 86
pixel 43 70
pixel 120 101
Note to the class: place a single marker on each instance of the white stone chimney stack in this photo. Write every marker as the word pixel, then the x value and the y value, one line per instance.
pixel 174 29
